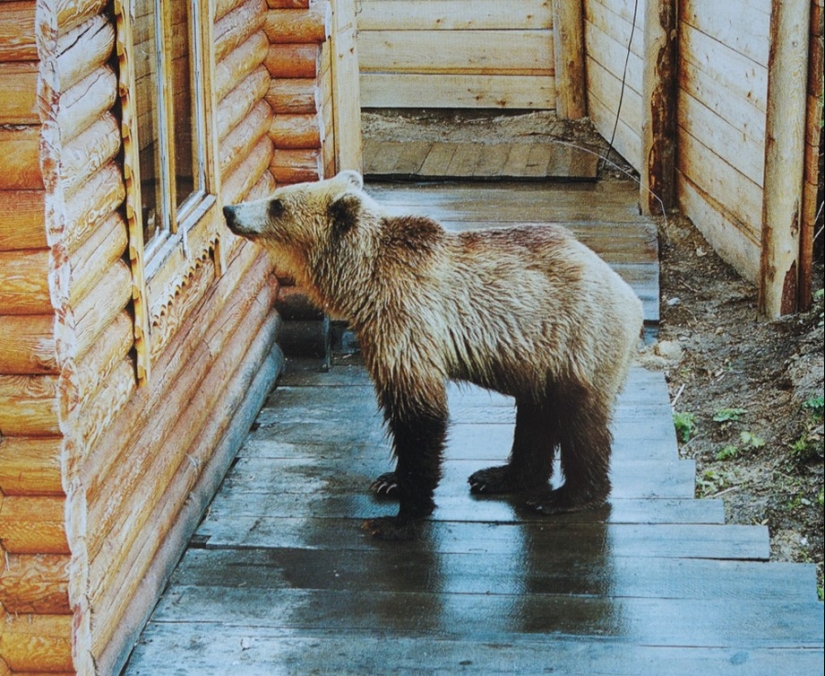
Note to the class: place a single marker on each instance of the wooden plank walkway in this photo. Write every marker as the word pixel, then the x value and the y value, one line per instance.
pixel 280 578
pixel 437 160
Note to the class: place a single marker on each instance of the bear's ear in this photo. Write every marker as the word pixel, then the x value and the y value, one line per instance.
pixel 343 212
pixel 352 178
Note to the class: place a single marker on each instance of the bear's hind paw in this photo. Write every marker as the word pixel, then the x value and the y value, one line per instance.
pixel 392 528
pixel 559 501
pixel 495 480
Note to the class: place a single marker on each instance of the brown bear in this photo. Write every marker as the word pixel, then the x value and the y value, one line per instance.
pixel 527 311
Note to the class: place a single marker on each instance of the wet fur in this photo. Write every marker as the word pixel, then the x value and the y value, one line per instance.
pixel 526 311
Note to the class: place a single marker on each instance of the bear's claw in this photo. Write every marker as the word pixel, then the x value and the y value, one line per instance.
pixel 385 486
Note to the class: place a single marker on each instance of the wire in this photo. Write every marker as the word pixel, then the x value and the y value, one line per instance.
pixel 624 84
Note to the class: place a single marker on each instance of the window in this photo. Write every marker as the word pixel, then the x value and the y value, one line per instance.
pixel 170 118
pixel 168 155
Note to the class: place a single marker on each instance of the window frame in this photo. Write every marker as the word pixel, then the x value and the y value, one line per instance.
pixel 161 267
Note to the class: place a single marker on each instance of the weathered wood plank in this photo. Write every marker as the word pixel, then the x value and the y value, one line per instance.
pixel 263 652
pixel 565 572
pixel 415 90
pixel 700 541
pixel 490 617
pixel 447 15
pixel 488 52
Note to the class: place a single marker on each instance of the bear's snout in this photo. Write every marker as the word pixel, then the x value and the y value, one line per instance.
pixel 229 215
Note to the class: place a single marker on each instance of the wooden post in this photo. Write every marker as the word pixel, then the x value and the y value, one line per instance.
pixel 784 157
pixel 658 185
pixel 568 46
pixel 346 98
pixel 813 136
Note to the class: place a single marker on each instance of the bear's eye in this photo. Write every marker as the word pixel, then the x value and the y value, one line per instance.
pixel 275 209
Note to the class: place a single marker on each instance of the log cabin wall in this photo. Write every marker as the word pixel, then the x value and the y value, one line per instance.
pixel 298 63
pixel 103 477
pixel 456 54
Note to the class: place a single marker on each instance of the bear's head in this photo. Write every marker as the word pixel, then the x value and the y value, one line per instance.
pixel 313 230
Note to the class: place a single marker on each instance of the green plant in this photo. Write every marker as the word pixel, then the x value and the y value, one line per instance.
pixel 685 424
pixel 728 452
pixel 820 592
pixel 820 499
pixel 750 440
pixel 728 414
pixel 816 405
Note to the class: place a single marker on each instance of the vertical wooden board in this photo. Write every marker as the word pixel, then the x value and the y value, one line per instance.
pixel 438 160
pixel 346 94
pixel 568 59
pixel 464 160
pixel 411 157
pixel 492 160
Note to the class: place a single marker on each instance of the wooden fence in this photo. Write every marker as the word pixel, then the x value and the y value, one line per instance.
pixel 718 106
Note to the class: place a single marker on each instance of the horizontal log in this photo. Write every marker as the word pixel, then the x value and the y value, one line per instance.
pixel 23 225
pixel 20 150
pixel 28 406
pixel 296 166
pixel 36 584
pixel 296 26
pixel 87 152
pixel 237 103
pixel 102 456
pixel 263 188
pixel 37 643
pixel 289 61
pixel 223 7
pixel 295 132
pixel 27 345
pixel 18 95
pixel 159 479
pixel 96 199
pixel 237 26
pixel 105 245
pixel 131 488
pixel 415 15
pixel 83 50
pixel 117 390
pixel 111 348
pixel 24 284
pixel 246 174
pixel 33 525
pixel 240 141
pixel 100 307
pixel 17 31
pixel 293 96
pixel 72 13
pixel 85 102
pixel 239 63
pixel 288 4
pixel 30 466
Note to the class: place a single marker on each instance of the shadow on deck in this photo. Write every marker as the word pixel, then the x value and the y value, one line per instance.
pixel 281 579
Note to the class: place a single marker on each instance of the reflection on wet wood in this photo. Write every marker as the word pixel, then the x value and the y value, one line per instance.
pixel 280 577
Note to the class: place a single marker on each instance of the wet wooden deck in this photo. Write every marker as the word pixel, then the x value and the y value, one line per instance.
pixel 281 579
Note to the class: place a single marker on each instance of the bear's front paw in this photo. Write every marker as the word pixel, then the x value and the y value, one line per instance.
pixel 385 486
pixel 393 528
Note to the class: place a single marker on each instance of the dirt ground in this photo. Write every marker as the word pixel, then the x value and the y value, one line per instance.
pixel 747 393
